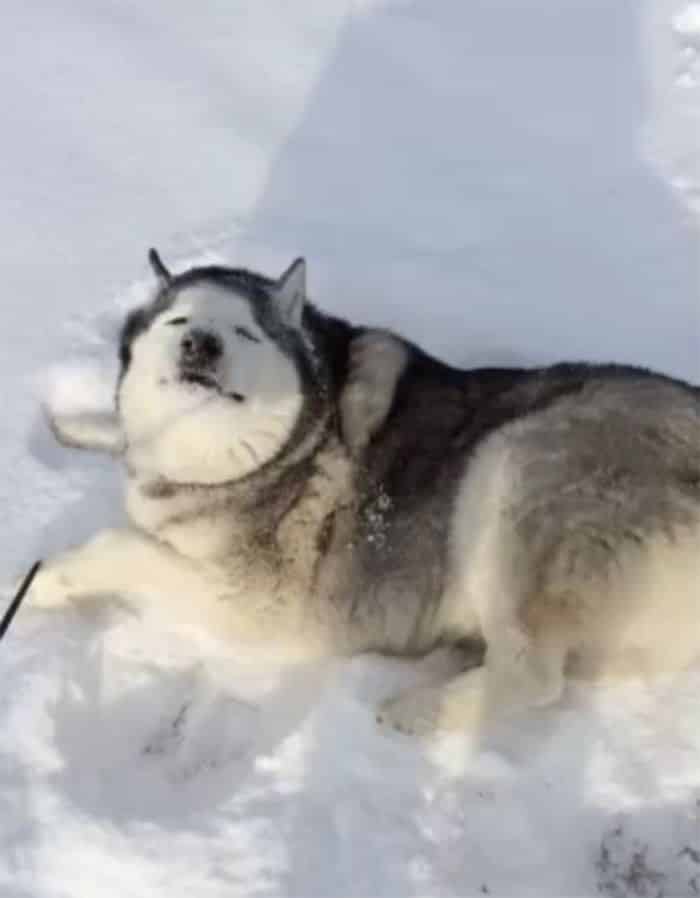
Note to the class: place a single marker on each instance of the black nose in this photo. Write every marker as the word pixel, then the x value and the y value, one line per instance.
pixel 201 347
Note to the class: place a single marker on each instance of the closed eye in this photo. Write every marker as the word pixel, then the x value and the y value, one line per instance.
pixel 246 334
pixel 176 321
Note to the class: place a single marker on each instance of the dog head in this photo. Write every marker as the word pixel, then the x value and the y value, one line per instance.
pixel 219 375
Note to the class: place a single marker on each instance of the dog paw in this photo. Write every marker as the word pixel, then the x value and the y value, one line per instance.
pixel 454 706
pixel 415 713
pixel 49 589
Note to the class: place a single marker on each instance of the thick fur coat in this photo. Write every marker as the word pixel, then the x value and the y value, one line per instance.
pixel 293 479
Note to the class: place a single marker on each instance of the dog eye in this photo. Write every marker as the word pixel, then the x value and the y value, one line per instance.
pixel 246 334
pixel 177 321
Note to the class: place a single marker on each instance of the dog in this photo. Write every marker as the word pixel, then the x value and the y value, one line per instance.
pixel 292 479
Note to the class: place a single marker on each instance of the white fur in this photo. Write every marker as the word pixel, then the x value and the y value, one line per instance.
pixel 189 592
pixel 98 431
pixel 187 433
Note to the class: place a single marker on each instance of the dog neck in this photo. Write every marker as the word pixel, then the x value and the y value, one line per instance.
pixel 211 521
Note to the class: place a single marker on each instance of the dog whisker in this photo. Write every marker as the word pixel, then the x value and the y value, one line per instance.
pixel 235 454
pixel 253 454
pixel 282 416
pixel 269 434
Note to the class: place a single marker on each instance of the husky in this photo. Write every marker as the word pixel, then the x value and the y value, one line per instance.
pixel 292 480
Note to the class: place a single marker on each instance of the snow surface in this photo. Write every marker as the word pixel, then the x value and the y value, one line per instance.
pixel 503 180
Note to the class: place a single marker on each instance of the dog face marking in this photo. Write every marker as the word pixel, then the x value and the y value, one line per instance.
pixel 208 392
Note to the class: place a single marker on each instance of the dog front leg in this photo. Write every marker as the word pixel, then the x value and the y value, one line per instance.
pixel 202 596
pixel 120 561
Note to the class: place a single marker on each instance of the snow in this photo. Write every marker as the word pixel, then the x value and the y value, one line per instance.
pixel 687 22
pixel 503 180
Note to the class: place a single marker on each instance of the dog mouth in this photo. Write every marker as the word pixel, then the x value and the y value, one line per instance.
pixel 207 382
pixel 200 379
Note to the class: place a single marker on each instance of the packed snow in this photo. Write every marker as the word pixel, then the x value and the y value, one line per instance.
pixel 501 180
pixel 687 22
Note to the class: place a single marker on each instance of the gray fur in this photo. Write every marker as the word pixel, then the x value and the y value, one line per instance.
pixel 415 503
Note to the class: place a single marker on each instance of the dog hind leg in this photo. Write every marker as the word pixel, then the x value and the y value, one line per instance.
pixel 519 673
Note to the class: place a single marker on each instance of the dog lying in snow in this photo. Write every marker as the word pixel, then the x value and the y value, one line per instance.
pixel 291 478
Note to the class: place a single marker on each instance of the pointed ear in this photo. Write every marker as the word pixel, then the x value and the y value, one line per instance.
pixel 159 269
pixel 289 294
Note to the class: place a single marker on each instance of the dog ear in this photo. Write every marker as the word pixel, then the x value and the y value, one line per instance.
pixel 98 431
pixel 377 361
pixel 159 269
pixel 289 294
